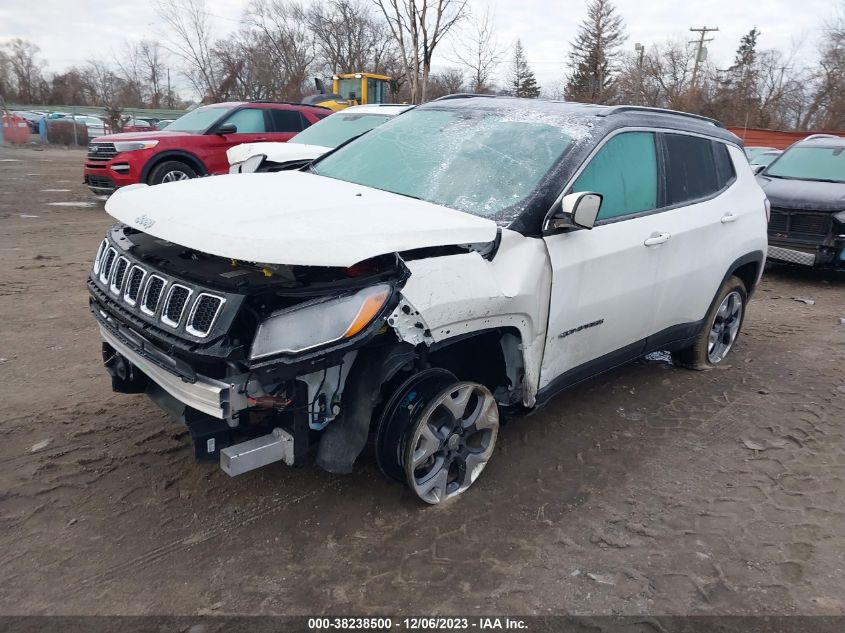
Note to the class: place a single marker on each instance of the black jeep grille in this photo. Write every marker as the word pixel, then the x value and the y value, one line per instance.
pixel 203 314
pixel 133 286
pixel 119 274
pixel 176 301
pixel 153 294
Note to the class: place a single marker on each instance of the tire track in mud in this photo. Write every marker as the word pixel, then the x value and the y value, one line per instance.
pixel 257 512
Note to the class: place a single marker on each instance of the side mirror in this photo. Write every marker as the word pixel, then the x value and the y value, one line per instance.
pixel 577 210
pixel 227 128
pixel 756 169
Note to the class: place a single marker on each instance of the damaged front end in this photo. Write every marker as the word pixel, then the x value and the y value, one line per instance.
pixel 256 360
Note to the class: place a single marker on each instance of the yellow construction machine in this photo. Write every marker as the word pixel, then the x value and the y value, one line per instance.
pixel 350 89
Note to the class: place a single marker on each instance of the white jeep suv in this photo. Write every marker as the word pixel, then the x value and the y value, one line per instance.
pixel 475 255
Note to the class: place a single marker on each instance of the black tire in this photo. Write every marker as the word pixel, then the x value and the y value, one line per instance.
pixel 170 171
pixel 699 355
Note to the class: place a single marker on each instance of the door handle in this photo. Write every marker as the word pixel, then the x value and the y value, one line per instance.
pixel 659 238
pixel 728 217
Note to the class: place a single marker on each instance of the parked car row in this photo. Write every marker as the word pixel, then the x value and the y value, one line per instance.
pixel 418 277
pixel 193 145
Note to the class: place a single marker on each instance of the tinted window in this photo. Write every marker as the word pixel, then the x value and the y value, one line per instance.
pixel 690 168
pixel 248 121
pixel 625 172
pixel 288 121
pixel 724 165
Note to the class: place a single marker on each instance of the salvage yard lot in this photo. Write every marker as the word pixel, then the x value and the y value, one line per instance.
pixel 647 490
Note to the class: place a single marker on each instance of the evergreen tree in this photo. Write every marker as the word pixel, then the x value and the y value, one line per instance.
pixel 595 53
pixel 522 82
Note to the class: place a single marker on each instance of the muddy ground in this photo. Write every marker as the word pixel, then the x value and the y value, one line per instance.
pixel 648 490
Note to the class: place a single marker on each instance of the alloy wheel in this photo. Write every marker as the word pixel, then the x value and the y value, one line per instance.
pixel 174 176
pixel 451 442
pixel 725 327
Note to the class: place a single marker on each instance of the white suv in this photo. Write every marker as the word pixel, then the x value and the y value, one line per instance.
pixel 472 256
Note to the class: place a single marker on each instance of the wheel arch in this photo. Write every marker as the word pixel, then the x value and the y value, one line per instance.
pixel 173 154
pixel 748 268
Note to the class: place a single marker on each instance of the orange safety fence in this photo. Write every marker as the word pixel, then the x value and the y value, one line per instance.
pixel 779 139
pixel 15 129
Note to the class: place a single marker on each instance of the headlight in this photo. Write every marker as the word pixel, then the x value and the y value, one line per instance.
pixel 314 324
pixel 252 163
pixel 131 146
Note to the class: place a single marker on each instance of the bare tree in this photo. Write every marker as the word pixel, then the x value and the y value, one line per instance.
pixel 418 26
pixel 480 52
pixel 191 41
pixel 22 60
pixel 660 78
pixel 349 38
pixel 447 82
pixel 289 41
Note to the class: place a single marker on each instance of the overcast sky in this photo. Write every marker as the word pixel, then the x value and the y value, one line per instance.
pixel 72 32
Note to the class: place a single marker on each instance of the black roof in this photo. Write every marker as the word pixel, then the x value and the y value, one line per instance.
pixel 609 116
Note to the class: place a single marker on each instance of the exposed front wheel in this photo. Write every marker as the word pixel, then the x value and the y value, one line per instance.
pixel 171 171
pixel 437 434
pixel 721 328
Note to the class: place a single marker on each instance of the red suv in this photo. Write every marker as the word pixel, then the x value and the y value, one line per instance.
pixel 193 145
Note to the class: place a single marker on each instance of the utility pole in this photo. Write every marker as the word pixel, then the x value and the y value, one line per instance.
pixel 169 94
pixel 701 52
pixel 640 53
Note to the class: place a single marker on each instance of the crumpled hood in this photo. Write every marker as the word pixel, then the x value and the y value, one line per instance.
pixel 803 195
pixel 292 217
pixel 276 152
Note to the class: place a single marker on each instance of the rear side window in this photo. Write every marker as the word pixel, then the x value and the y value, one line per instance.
pixel 690 168
pixel 624 172
pixel 725 172
pixel 288 121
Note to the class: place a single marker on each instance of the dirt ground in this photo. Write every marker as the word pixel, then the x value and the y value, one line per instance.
pixel 649 490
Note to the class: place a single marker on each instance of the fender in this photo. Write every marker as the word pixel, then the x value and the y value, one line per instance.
pixel 182 155
pixel 344 439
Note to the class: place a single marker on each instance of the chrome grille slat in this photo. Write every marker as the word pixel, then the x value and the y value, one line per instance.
pixel 106 270
pixel 152 294
pixel 134 284
pixel 175 304
pixel 203 314
pixel 99 257
pixel 119 275
pixel 168 301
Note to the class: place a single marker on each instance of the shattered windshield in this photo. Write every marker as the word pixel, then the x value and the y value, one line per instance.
pixel 478 161
pixel 339 128
pixel 810 163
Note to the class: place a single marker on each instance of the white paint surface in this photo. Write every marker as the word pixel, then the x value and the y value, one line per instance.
pixel 292 218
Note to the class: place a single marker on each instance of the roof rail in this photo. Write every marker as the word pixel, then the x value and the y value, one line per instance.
pixel 293 103
pixel 468 95
pixel 813 136
pixel 631 108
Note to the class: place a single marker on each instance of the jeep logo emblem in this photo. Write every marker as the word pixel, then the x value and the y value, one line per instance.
pixel 144 221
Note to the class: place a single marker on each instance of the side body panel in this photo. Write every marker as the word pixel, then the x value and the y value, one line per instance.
pixel 603 292
pixel 706 239
pixel 461 294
